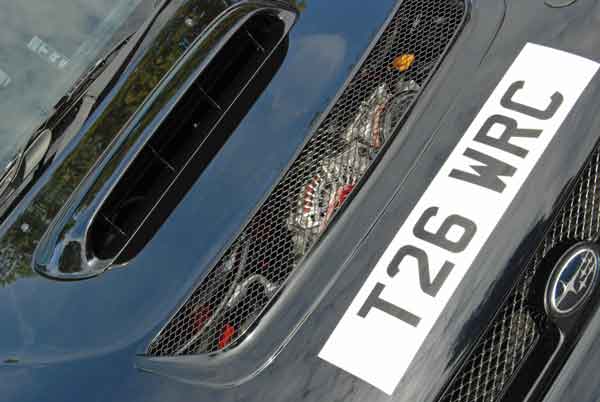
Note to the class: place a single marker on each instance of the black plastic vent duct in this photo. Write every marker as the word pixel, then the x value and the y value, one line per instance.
pixel 520 340
pixel 187 140
pixel 329 169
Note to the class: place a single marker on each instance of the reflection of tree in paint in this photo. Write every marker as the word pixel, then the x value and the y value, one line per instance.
pixel 17 245
pixel 44 48
pixel 299 4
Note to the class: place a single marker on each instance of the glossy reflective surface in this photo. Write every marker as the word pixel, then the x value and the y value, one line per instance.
pixel 44 48
pixel 130 121
pixel 137 83
pixel 79 340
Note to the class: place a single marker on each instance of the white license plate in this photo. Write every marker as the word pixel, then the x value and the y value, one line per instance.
pixel 407 290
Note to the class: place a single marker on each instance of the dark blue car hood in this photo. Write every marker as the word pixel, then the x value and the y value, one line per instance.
pixel 85 340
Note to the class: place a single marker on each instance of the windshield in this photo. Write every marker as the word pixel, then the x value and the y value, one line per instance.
pixel 45 46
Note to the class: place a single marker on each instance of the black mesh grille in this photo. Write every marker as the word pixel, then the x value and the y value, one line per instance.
pixel 516 328
pixel 328 169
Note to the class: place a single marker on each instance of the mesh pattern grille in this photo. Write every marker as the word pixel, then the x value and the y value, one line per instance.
pixel 250 273
pixel 516 328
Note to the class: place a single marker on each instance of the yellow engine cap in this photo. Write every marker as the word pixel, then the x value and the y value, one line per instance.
pixel 403 62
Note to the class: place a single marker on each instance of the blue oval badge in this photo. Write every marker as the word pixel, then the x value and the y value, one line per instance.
pixel 573 279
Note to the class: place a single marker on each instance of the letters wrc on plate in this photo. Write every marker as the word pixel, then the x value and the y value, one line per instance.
pixel 490 169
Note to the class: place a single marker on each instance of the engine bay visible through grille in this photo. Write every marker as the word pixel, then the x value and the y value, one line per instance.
pixel 328 170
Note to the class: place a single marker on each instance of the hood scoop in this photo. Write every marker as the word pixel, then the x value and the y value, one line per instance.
pixel 187 141
pixel 264 265
pixel 209 93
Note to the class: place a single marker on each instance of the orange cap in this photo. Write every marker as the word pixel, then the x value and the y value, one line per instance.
pixel 403 62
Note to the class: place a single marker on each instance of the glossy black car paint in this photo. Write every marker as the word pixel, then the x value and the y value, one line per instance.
pixel 85 340
pixel 181 64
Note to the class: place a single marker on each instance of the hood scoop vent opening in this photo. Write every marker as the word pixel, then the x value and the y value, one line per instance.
pixel 227 307
pixel 187 140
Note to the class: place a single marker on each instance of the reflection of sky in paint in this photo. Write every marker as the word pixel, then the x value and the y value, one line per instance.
pixel 105 319
pixel 317 59
pixel 328 40
pixel 74 30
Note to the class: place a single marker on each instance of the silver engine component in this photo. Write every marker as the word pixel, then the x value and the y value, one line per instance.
pixel 337 176
pixel 242 288
pixel 367 126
